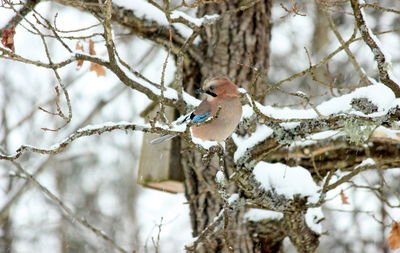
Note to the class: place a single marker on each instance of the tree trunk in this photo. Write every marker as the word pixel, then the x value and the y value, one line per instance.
pixel 236 46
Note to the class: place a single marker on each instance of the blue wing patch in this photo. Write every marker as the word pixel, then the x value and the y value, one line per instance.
pixel 200 118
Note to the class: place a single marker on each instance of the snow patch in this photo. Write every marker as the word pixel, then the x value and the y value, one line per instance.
pixel 262 132
pixel 242 90
pixel 247 111
pixel 378 93
pixel 220 178
pixel 368 161
pixel 107 124
pixel 256 215
pixel 287 181
pixel 314 138
pixel 196 21
pixel 289 125
pixel 203 143
pixel 314 217
pixel 390 133
pixel 233 198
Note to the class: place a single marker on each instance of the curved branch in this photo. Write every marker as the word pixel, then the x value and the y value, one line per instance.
pixel 87 131
pixel 150 90
pixel 68 210
pixel 373 43
pixel 25 10
pixel 352 39
pixel 109 127
pixel 141 27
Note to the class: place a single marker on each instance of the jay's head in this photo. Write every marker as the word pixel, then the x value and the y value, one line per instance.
pixel 219 87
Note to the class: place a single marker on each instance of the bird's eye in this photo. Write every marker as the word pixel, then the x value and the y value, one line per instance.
pixel 212 87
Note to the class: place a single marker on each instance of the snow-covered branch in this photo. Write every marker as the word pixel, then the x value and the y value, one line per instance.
pixel 382 58
pixel 83 132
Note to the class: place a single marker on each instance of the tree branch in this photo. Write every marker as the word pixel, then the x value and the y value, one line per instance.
pixel 150 90
pixel 144 28
pixel 373 43
pixel 25 10
pixel 68 210
pixel 86 131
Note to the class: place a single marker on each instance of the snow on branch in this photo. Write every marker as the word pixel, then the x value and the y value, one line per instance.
pixel 382 58
pixel 267 186
pixel 378 94
pixel 371 105
pixel 207 19
pixel 257 215
pixel 88 131
pixel 139 22
pixel 126 75
pixel 243 144
pixel 287 181
pixel 182 130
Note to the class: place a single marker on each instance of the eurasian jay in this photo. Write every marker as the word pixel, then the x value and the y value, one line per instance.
pixel 220 92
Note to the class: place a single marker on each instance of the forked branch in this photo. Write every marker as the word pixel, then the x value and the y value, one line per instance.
pixel 373 43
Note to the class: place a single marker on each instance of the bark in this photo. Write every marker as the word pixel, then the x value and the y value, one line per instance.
pixel 6 238
pixel 238 45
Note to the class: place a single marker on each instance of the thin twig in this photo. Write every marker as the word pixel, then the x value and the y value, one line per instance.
pixel 351 56
pixel 68 210
pixel 373 43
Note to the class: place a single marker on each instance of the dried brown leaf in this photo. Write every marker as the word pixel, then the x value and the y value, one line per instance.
pixel 91 48
pixel 345 199
pixel 7 38
pixel 100 71
pixel 394 237
pixel 79 46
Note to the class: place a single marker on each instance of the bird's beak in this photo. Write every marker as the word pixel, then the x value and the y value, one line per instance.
pixel 199 91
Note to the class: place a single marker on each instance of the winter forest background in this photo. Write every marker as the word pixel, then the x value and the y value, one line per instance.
pixel 313 167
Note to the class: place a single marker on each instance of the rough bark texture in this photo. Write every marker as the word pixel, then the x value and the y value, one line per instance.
pixel 6 239
pixel 238 43
pixel 236 46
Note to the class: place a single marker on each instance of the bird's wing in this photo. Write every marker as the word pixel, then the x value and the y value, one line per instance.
pixel 202 113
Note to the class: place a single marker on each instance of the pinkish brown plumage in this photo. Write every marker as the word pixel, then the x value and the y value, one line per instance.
pixel 219 92
pixel 228 97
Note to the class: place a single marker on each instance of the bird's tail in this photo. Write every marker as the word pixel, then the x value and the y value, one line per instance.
pixel 162 138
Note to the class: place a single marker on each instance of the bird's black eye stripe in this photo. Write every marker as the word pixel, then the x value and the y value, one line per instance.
pixel 211 93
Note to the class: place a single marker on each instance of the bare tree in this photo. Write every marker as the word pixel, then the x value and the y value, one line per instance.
pixel 344 126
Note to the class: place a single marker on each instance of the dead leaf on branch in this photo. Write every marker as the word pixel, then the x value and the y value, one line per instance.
pixel 79 46
pixel 345 199
pixel 394 237
pixel 91 48
pixel 7 38
pixel 100 71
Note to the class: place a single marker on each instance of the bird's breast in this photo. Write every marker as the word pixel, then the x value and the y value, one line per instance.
pixel 223 126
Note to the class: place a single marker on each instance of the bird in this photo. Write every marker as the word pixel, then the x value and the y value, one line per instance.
pixel 220 92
